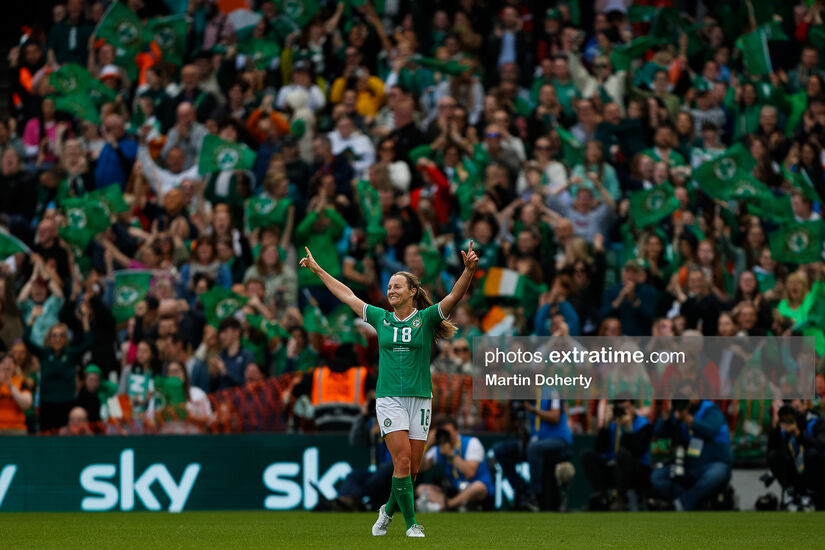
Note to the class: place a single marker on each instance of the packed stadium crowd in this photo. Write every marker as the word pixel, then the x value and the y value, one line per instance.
pixel 622 168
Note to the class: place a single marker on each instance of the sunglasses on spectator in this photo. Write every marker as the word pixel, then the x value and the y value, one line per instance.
pixel 493 135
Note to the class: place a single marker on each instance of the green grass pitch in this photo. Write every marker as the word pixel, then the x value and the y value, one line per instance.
pixel 473 531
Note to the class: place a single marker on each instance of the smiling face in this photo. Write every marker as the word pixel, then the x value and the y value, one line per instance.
pixel 399 292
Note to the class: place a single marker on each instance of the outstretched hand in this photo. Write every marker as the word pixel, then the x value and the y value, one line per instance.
pixel 309 262
pixel 470 258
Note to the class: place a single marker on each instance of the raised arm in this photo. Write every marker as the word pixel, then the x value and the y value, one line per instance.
pixel 460 288
pixel 339 289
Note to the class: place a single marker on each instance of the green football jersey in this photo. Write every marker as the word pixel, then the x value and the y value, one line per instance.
pixel 404 348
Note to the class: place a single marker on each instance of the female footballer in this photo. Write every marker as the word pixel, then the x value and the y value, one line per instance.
pixel 404 392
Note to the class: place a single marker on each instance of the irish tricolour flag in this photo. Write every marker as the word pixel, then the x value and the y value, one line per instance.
pixel 240 14
pixel 503 282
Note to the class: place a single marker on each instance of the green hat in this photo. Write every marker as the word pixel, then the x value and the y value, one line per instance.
pixel 636 263
pixel 93 369
pixel 553 13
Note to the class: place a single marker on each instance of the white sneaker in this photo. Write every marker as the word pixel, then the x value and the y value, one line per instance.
pixel 416 531
pixel 379 528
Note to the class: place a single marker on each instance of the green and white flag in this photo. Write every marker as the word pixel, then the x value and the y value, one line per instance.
pixel 123 29
pixel 261 52
pixel 572 149
pixel 169 33
pixel 218 155
pixel 772 208
pixel 798 243
pixel 110 199
pixel 81 106
pixel 220 303
pixel 649 207
pixel 622 56
pixel 72 79
pixel 725 173
pixel 10 245
pixel 299 12
pixel 271 329
pixel 754 48
pixel 802 183
pixel 131 287
pixel 85 218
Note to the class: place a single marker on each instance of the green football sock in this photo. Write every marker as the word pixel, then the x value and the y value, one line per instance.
pixel 391 507
pixel 402 487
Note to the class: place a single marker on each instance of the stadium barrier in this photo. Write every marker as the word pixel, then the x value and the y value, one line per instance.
pixel 175 473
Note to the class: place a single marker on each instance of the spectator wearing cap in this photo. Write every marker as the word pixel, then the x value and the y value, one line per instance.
pixel 632 301
pixel 302 80
pixel 94 392
pixel 227 370
pixel 15 398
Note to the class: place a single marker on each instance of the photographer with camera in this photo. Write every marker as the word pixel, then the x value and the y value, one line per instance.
pixel 464 463
pixel 620 459
pixel 796 455
pixel 701 441
pixel 549 443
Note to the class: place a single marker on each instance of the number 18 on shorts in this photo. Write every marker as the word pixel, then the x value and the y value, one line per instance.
pixel 404 413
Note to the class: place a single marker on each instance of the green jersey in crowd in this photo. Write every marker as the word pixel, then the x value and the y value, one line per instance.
pixel 404 348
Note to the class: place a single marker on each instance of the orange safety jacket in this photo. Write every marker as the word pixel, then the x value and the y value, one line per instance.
pixel 329 387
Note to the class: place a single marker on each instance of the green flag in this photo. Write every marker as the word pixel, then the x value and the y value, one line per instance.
pixel 169 33
pixel 432 258
pixel 772 208
pixel 81 106
pixel 726 173
pixel 122 28
pixel 451 67
pixel 756 56
pixel 111 198
pixel 648 207
pixel 219 155
pixel 10 245
pixel 342 326
pixel 270 329
pixel 802 183
pixel 220 303
pixel 571 148
pixel 265 212
pixel 262 52
pixel 622 56
pixel 299 12
pixel 85 218
pixel 131 287
pixel 169 398
pixel 797 243
pixel 72 79
pixel 641 14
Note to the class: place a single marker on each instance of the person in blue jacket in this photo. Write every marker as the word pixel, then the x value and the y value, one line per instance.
pixel 621 458
pixel 700 435
pixel 464 462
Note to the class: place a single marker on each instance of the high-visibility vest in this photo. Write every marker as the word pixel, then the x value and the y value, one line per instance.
pixel 329 387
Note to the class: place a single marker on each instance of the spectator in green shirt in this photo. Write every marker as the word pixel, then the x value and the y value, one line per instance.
pixel 69 39
pixel 320 230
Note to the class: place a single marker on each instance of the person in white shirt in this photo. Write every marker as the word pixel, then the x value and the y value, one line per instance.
pixel 361 150
pixel 302 80
pixel 164 180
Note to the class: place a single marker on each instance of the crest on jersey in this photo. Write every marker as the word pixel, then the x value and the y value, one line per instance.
pixel 387 423
pixel 416 323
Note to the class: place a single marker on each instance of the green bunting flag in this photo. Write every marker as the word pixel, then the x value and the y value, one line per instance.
pixel 265 212
pixel 72 79
pixel 123 29
pixel 85 218
pixel 571 148
pixel 220 303
pixel 131 287
pixel 10 245
pixel 218 155
pixel 261 52
pixel 111 199
pixel 755 53
pixel 270 329
pixel 797 243
pixel 650 206
pixel 81 106
pixel 169 33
